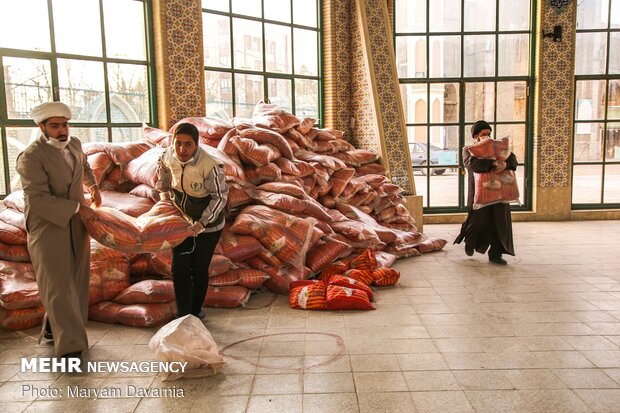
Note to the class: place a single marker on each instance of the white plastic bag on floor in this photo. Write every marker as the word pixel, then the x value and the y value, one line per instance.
pixel 186 339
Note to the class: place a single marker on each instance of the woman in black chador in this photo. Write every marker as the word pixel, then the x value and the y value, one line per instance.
pixel 489 226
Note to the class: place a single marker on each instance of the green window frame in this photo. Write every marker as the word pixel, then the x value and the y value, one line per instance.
pixel 596 119
pixel 100 64
pixel 262 50
pixel 459 61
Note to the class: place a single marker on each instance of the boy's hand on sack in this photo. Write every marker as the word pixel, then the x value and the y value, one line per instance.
pixel 197 228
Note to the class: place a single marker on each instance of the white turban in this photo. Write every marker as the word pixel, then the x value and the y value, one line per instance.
pixel 50 110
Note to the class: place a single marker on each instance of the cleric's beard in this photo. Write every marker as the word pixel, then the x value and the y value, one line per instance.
pixel 56 143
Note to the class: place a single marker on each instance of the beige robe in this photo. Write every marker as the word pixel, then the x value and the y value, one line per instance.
pixel 57 239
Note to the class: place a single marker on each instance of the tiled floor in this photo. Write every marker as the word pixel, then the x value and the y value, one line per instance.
pixel 457 334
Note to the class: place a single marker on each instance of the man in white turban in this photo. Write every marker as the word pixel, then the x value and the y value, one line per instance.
pixel 50 110
pixel 53 170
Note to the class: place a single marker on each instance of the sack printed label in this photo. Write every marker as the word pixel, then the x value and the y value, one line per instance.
pixel 278 244
pixel 302 297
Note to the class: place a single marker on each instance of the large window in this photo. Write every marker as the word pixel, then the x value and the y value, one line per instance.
pixel 262 50
pixel 459 61
pixel 92 55
pixel 596 144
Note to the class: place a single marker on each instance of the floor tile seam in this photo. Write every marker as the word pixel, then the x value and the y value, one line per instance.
pixel 583 400
pixel 617 380
pixel 519 392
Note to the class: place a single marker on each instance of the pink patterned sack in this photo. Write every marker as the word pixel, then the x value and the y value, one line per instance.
pixel 495 187
pixel 490 149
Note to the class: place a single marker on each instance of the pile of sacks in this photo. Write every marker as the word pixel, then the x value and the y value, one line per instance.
pixel 300 199
pixel 344 285
pixel 127 287
pixel 146 303
pixel 20 304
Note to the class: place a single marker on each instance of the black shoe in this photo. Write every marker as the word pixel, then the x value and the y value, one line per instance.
pixel 48 332
pixel 498 260
pixel 469 250
pixel 201 314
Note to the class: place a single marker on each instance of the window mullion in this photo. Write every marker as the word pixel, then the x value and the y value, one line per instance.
pixel 496 64
pixel 264 47
pixel 233 82
pixel 54 61
pixel 150 59
pixel 3 132
pixel 106 83
pixel 293 57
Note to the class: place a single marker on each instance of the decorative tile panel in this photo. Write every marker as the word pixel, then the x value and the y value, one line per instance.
pixel 382 89
pixel 337 65
pixel 365 132
pixel 554 107
pixel 181 87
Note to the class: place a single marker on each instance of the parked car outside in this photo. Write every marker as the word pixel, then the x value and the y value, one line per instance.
pixel 438 156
